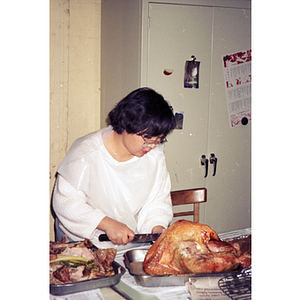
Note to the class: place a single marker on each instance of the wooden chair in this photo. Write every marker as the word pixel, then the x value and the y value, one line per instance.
pixel 191 196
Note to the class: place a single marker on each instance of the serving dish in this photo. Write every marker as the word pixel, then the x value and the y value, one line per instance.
pixel 80 286
pixel 133 260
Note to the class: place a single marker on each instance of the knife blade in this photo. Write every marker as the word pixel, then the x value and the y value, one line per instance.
pixel 139 238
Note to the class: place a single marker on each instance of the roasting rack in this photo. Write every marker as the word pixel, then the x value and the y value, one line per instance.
pixel 237 287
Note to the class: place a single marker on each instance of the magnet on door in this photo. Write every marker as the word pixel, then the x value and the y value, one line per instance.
pixel 244 121
pixel 191 73
pixel 168 72
pixel 179 119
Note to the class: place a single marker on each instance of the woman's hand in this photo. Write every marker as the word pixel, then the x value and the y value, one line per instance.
pixel 117 232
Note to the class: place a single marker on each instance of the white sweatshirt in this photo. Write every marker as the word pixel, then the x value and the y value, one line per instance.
pixel 91 184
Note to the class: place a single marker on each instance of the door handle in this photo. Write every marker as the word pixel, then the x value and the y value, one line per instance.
pixel 204 162
pixel 213 160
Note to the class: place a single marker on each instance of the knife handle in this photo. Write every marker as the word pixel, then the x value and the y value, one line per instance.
pixel 103 238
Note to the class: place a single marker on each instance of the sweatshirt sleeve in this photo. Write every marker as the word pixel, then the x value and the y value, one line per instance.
pixel 73 210
pixel 158 208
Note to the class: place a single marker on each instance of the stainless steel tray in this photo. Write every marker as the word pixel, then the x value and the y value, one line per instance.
pixel 133 260
pixel 80 286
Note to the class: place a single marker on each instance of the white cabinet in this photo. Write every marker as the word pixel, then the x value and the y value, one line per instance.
pixel 170 32
pixel 174 33
pixel 229 192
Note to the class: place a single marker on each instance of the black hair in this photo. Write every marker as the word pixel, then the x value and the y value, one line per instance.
pixel 144 112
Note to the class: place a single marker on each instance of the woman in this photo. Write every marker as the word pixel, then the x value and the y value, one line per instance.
pixel 115 180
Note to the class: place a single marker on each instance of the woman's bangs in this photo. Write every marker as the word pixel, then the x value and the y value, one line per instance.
pixel 157 127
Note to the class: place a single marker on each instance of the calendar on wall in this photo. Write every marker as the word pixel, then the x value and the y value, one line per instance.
pixel 237 78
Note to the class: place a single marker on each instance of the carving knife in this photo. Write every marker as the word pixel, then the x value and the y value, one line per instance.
pixel 139 238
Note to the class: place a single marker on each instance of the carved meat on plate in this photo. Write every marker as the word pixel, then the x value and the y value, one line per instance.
pixel 188 247
pixel 71 262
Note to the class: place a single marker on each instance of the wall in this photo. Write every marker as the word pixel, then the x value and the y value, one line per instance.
pixel 120 51
pixel 74 76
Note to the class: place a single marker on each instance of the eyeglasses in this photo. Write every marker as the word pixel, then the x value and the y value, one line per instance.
pixel 159 141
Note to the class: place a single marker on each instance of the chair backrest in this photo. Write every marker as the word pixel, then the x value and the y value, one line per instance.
pixel 191 196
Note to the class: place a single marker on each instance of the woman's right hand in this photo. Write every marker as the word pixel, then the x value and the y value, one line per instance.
pixel 117 232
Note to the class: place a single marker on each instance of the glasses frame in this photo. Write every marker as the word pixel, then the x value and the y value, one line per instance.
pixel 162 140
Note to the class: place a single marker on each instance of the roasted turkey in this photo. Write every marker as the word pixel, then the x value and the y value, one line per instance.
pixel 188 247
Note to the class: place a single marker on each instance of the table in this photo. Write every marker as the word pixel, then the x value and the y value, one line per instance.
pixel 128 289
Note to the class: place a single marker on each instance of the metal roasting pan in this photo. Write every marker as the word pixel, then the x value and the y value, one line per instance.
pixel 85 285
pixel 143 279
